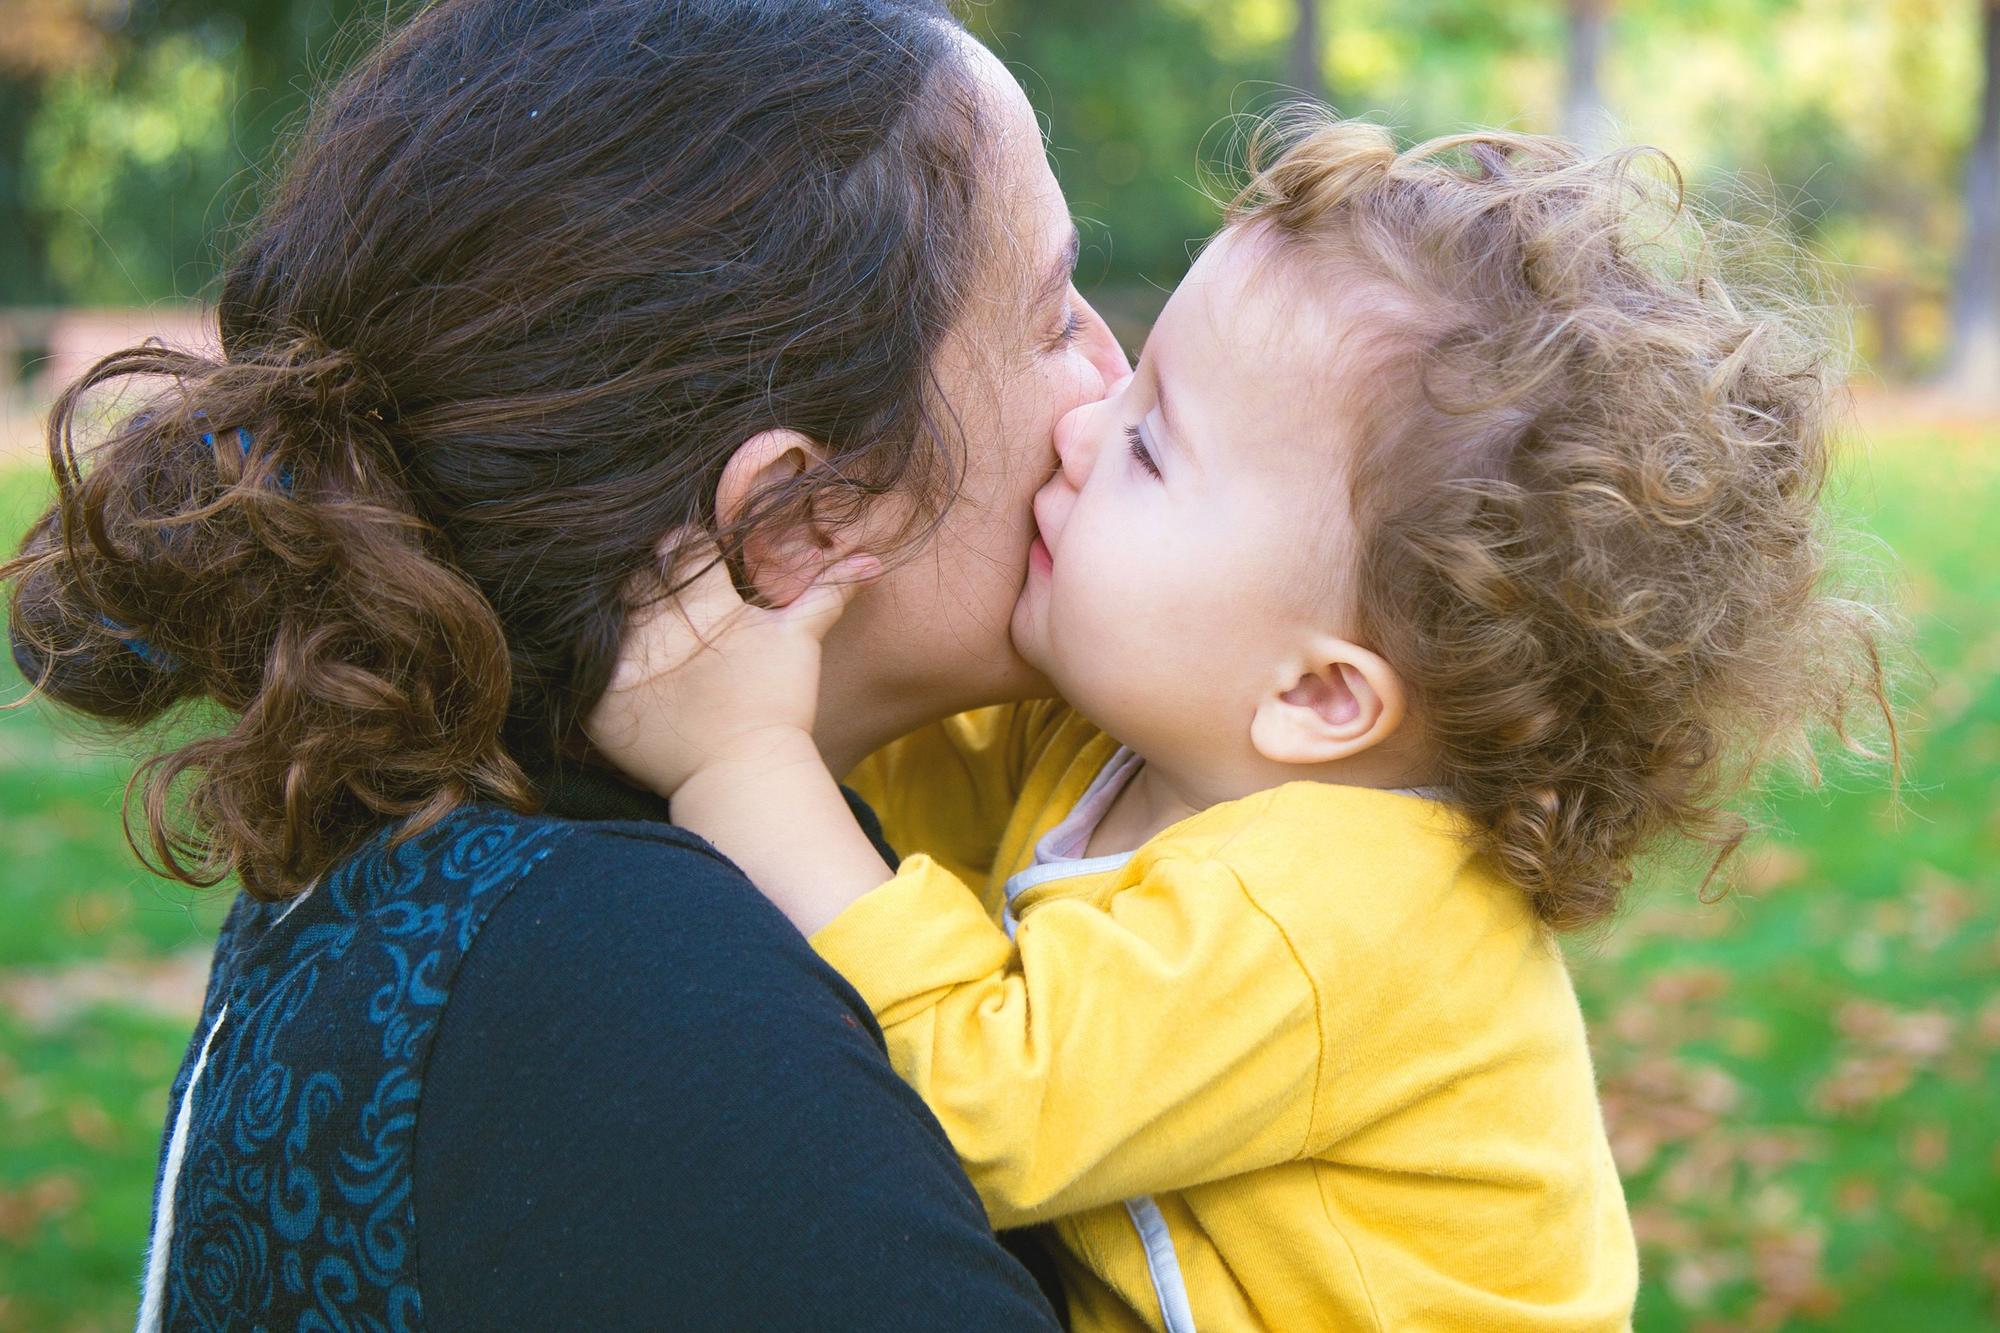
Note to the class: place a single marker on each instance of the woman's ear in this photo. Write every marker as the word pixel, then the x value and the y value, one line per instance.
pixel 1334 702
pixel 780 559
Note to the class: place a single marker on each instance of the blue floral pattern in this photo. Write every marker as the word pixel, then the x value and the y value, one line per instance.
pixel 294 1208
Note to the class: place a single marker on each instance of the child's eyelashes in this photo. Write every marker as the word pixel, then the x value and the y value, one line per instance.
pixel 1140 454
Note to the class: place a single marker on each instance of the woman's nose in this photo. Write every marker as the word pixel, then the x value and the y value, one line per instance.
pixel 1076 448
pixel 1100 347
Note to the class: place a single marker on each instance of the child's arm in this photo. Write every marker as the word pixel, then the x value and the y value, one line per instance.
pixel 1166 1038
pixel 949 789
pixel 779 815
pixel 712 706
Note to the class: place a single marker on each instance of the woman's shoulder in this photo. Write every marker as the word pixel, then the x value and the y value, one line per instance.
pixel 645 1085
pixel 632 907
pixel 490 888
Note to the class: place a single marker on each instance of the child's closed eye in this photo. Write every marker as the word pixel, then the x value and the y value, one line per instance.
pixel 1140 453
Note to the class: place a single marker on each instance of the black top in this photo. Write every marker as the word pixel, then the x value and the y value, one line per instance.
pixel 555 1071
pixel 650 1104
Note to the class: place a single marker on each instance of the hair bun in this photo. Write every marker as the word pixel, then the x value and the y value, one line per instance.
pixel 306 374
pixel 70 651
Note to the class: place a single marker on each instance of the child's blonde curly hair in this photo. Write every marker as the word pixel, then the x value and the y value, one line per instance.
pixel 1591 532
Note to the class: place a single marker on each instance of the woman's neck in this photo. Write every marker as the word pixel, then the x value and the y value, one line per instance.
pixel 850 728
pixel 862 706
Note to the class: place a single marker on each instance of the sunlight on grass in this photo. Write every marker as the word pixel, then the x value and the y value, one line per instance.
pixel 1797 1079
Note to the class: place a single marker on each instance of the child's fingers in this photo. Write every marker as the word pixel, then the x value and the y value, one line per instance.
pixel 665 629
pixel 819 606
pixel 711 597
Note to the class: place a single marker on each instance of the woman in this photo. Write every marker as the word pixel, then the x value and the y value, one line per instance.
pixel 541 283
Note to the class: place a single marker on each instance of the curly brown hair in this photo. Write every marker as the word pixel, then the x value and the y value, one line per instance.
pixel 1592 536
pixel 534 269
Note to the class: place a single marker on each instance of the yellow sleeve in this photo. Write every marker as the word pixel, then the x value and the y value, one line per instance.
pixel 1159 1040
pixel 947 789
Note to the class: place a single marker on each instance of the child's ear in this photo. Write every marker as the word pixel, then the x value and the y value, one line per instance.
pixel 780 559
pixel 1336 701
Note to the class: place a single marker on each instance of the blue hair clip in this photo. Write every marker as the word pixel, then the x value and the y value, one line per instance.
pixel 243 442
pixel 242 438
pixel 139 648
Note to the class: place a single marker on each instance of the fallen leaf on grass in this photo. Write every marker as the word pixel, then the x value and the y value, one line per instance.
pixel 1987 1026
pixel 1926 1147
pixel 1658 1101
pixel 92 914
pixel 1989 1268
pixel 1861 1082
pixel 1856 1195
pixel 1922 1034
pixel 1786 1265
pixel 42 998
pixel 1695 1278
pixel 1656 1226
pixel 1939 906
pixel 51 1195
pixel 1688 985
pixel 1770 865
pixel 1887 1048
pixel 1745 1037
pixel 90 1125
pixel 1922 1206
pixel 1673 1009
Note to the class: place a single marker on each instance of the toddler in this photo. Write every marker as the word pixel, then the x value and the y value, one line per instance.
pixel 1454 539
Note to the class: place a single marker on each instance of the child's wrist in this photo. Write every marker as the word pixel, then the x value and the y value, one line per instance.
pixel 775 810
pixel 749 760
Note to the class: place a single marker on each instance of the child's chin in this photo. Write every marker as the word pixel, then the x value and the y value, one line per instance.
pixel 1025 628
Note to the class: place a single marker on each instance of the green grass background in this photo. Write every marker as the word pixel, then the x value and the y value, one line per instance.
pixel 1800 1080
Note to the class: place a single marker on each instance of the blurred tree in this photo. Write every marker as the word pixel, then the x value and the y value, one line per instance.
pixel 1842 120
pixel 38 41
pixel 131 131
pixel 1975 321
pixel 1134 92
pixel 1585 117
pixel 1308 62
pixel 125 162
pixel 145 123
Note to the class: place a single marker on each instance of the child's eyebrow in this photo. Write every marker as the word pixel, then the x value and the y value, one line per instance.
pixel 1168 417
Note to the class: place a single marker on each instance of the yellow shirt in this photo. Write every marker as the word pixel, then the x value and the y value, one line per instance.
pixel 1306 1041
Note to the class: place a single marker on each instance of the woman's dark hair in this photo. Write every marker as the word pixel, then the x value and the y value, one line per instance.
pixel 533 271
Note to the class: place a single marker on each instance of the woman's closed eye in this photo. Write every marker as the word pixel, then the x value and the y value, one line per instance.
pixel 1140 453
pixel 1072 325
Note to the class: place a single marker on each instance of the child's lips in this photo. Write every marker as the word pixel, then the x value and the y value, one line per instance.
pixel 1039 559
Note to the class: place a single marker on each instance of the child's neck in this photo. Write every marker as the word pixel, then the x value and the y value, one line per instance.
pixel 1148 804
pixel 1155 798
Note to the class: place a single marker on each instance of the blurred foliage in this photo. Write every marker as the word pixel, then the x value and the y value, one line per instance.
pixel 136 133
pixel 1847 119
pixel 132 132
pixel 133 158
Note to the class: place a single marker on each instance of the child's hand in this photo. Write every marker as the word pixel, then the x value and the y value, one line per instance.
pixel 705 679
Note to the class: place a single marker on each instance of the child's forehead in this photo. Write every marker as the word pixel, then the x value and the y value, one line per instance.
pixel 1263 325
pixel 1235 293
